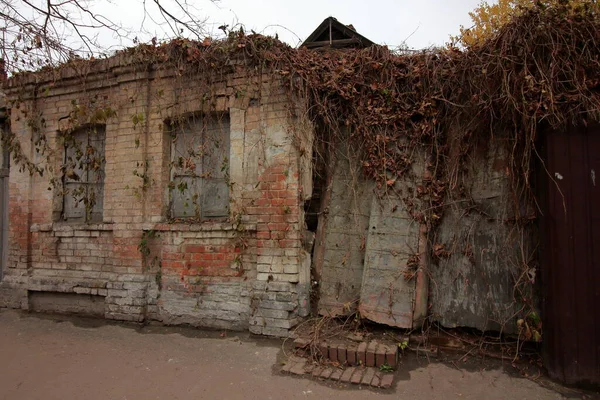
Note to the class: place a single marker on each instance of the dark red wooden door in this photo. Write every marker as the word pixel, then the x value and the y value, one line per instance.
pixel 571 263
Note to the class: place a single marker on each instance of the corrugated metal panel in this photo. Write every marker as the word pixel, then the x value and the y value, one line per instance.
pixel 571 263
pixel 2 248
pixel 4 164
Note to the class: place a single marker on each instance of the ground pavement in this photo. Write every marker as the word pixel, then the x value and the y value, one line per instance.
pixel 53 357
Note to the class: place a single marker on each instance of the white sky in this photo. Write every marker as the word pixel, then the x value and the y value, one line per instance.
pixel 418 23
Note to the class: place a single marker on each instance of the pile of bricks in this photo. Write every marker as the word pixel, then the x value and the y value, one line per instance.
pixel 369 376
pixel 372 354
pixel 357 363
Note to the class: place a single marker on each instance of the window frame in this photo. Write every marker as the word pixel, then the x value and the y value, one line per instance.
pixel 207 175
pixel 95 213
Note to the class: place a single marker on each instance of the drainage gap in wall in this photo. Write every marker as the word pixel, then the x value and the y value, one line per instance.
pixel 66 303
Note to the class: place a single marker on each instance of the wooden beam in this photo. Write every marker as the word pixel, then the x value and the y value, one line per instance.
pixel 333 43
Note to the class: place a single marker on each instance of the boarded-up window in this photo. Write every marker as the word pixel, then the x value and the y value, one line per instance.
pixel 200 167
pixel 83 170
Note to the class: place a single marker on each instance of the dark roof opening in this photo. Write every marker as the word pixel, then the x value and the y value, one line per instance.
pixel 332 33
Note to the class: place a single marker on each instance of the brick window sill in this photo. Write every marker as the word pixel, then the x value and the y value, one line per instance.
pixel 70 227
pixel 202 227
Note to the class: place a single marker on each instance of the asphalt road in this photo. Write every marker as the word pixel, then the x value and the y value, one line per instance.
pixel 53 357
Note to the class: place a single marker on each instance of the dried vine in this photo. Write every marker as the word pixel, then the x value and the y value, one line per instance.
pixel 540 71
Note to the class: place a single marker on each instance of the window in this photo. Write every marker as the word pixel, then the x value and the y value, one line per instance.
pixel 83 171
pixel 200 167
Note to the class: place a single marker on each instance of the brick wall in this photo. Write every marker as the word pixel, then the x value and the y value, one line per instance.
pixel 248 271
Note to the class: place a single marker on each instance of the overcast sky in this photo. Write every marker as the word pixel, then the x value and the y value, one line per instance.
pixel 418 23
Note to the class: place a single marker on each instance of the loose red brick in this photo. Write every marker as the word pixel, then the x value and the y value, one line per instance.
pixel 361 353
pixel 368 376
pixel 309 368
pixel 324 349
pixel 347 374
pixel 341 354
pixel 351 355
pixel 391 356
pixel 298 368
pixel 337 374
pixel 327 373
pixel 376 381
pixel 387 380
pixel 301 343
pixel 357 376
pixel 380 355
pixel 333 353
pixel 317 371
pixel 371 349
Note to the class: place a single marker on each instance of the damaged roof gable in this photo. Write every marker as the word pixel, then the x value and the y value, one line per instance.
pixel 332 33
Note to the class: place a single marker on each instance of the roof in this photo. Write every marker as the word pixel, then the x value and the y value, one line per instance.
pixel 332 33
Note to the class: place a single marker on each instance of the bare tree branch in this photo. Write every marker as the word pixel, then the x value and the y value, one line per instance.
pixel 36 33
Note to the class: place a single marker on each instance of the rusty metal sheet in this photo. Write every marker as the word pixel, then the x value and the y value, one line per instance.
pixel 571 257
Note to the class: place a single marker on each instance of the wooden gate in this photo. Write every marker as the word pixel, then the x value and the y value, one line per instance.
pixel 571 256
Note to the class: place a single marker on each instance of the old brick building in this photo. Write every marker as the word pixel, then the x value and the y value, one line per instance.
pixel 173 183
pixel 152 187
pixel 139 194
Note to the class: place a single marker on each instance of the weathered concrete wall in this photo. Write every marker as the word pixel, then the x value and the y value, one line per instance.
pixel 378 254
pixel 345 237
pixel 370 240
pixel 246 272
pixel 388 285
pixel 392 279
pixel 473 285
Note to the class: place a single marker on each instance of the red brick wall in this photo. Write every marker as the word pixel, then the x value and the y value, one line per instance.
pixel 213 273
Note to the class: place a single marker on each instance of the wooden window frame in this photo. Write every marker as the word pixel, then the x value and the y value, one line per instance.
pixel 199 167
pixel 83 168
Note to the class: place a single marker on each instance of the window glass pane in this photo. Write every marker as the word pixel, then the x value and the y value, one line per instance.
pixel 200 167
pixel 95 155
pixel 185 196
pixel 215 199
pixel 73 204
pixel 187 154
pixel 75 144
pixel 84 174
pixel 216 144
pixel 96 195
